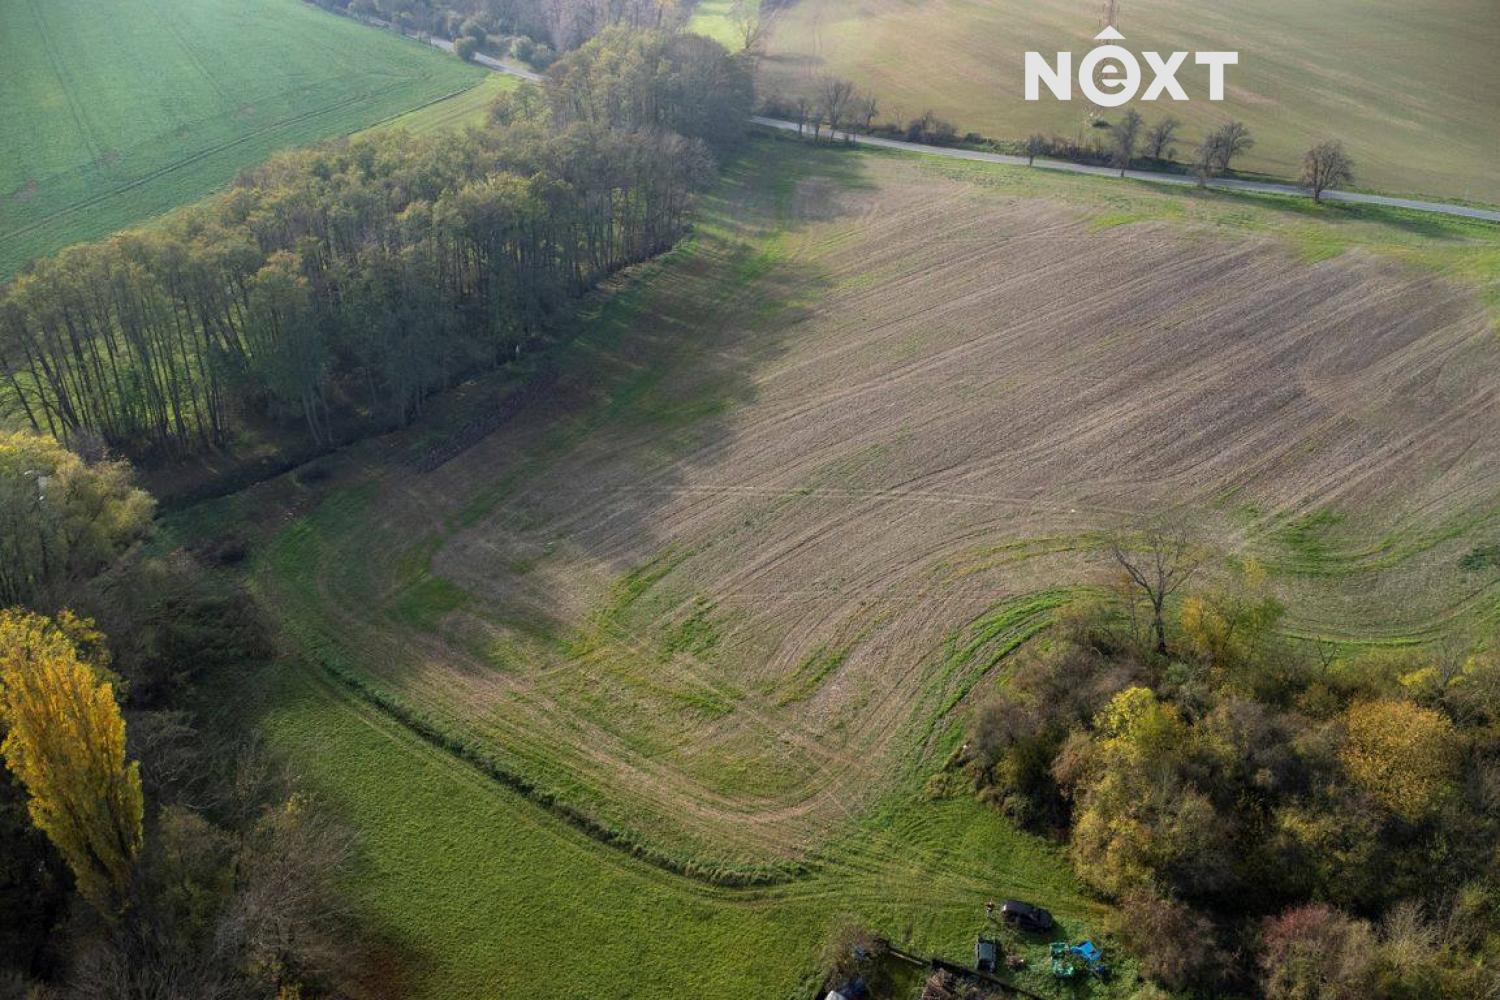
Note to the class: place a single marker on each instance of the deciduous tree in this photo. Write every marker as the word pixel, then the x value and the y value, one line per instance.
pixel 1324 166
pixel 1160 138
pixel 1404 755
pixel 1127 136
pixel 65 742
pixel 61 519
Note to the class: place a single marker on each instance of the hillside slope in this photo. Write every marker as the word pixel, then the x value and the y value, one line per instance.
pixel 1408 87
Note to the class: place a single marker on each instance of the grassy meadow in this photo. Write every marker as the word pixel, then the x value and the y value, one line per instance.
pixel 119 112
pixel 806 483
pixel 1408 87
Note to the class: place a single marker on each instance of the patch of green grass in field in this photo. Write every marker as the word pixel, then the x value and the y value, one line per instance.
pixel 1481 558
pixel 1306 540
pixel 424 604
pixel 980 646
pixel 698 633
pixel 120 112
pixel 810 674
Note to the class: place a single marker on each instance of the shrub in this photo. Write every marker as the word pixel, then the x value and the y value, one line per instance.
pixel 1175 943
pixel 1315 952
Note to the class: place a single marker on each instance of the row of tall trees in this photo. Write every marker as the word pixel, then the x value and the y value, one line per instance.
pixel 341 284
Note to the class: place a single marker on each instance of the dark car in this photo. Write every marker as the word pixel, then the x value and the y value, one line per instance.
pixel 1025 917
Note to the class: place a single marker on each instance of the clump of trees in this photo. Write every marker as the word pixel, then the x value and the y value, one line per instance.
pixel 143 852
pixel 1271 817
pixel 336 287
pixel 61 519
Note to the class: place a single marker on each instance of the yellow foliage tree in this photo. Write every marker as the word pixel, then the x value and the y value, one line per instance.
pixel 1405 755
pixel 66 744
pixel 1226 625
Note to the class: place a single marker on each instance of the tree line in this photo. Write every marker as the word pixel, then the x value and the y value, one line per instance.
pixel 533 30
pixel 339 285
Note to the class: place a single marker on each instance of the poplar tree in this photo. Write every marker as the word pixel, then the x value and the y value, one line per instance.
pixel 65 742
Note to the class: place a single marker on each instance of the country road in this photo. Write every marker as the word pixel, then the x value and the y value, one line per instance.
pixel 1223 184
pixel 1150 176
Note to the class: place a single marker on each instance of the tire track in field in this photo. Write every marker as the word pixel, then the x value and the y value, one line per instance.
pixel 187 161
pixel 75 108
pixel 170 27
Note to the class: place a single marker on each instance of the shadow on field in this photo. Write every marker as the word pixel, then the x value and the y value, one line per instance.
pixel 649 387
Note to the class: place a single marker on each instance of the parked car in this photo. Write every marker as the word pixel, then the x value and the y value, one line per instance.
pixel 1026 917
pixel 986 954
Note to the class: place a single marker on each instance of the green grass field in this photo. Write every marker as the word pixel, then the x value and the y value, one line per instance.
pixel 573 596
pixel 459 111
pixel 1408 86
pixel 119 112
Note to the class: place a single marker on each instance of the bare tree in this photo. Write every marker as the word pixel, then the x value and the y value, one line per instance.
pixel 1324 166
pixel 834 97
pixel 864 109
pixel 752 24
pixel 1160 137
pixel 1158 559
pixel 1036 145
pixel 1230 140
pixel 1127 137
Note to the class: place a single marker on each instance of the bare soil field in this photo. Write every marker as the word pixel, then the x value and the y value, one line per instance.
pixel 804 485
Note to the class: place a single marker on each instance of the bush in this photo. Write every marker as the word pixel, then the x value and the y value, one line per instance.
pixel 542 56
pixel 1315 952
pixel 465 47
pixel 1174 942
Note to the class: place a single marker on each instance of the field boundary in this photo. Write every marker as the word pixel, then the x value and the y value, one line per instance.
pixel 441 737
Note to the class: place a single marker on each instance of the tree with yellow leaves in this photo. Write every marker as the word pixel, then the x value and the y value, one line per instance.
pixel 65 742
pixel 1405 755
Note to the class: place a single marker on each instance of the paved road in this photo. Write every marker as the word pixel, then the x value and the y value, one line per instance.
pixel 1223 184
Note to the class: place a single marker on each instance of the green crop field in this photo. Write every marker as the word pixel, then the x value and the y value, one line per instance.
pixel 116 112
pixel 1408 86
pixel 640 693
